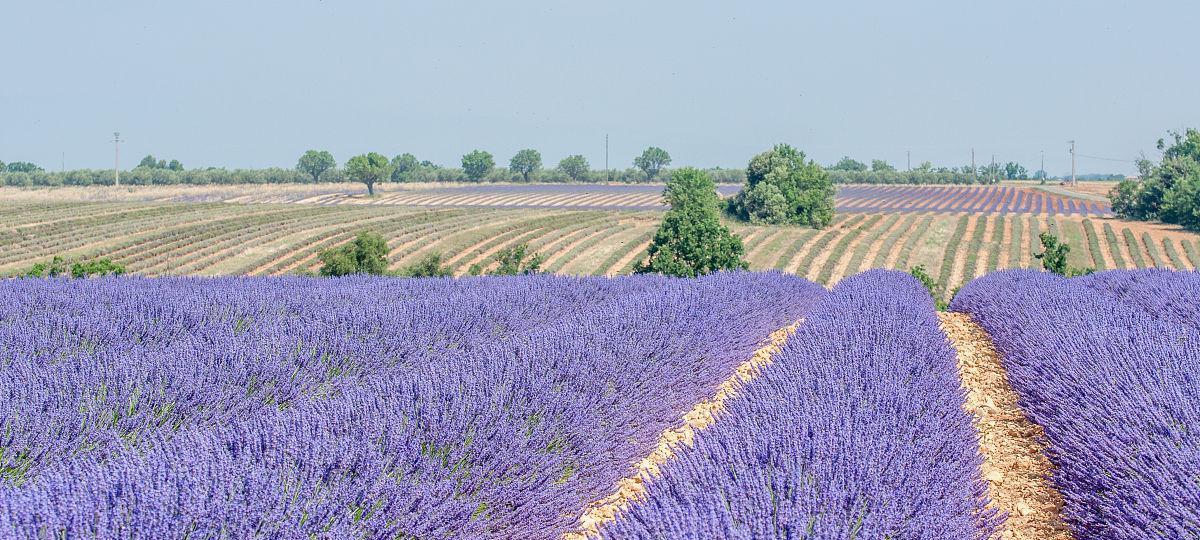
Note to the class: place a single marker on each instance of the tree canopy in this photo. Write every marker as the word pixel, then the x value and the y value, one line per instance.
pixel 403 167
pixel 652 161
pixel 525 163
pixel 314 163
pixel 366 254
pixel 369 168
pixel 575 167
pixel 782 187
pixel 477 164
pixel 22 166
pixel 879 165
pixel 429 266
pixel 691 241
pixel 1168 191
pixel 849 164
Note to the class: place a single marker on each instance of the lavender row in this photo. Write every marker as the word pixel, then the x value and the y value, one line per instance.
pixel 855 431
pixel 363 408
pixel 1107 365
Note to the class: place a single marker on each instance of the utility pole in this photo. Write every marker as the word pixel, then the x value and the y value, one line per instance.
pixel 992 169
pixel 1073 183
pixel 64 162
pixel 909 154
pixel 606 169
pixel 974 171
pixel 1043 167
pixel 117 158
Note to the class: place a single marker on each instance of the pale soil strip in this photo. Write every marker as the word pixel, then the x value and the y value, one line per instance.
pixel 1005 253
pixel 890 243
pixel 1014 460
pixel 640 246
pixel 1105 253
pixel 632 488
pixel 870 240
pixel 981 256
pixel 752 253
pixel 588 235
pixel 794 264
pixel 910 240
pixel 958 267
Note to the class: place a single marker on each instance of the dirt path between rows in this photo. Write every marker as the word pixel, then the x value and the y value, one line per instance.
pixel 633 488
pixel 1014 459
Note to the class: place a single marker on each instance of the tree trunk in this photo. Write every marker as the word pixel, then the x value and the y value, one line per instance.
pixel 370 189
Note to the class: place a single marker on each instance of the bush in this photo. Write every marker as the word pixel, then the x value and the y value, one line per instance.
pixel 691 241
pixel 428 266
pixel 1168 191
pixel 477 164
pixel 805 187
pixel 366 254
pixel 57 267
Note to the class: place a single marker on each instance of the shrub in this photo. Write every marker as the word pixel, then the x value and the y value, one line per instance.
pixel 366 254
pixel 428 266
pixel 805 187
pixel 477 164
pixel 691 241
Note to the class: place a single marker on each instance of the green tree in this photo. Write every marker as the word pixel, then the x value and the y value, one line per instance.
pixel 314 163
pixel 517 260
pixel 97 267
pixel 652 161
pixel 175 165
pixel 879 165
pixel 805 186
pixel 366 254
pixel 1054 254
pixel 691 241
pixel 1167 190
pixel 403 167
pixel 429 266
pixel 56 267
pixel 525 163
pixel 848 164
pixel 477 164
pixel 148 162
pixel 22 167
pixel 575 167
pixel 1015 171
pixel 369 168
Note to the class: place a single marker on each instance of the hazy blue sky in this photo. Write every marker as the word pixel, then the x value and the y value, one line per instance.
pixel 252 84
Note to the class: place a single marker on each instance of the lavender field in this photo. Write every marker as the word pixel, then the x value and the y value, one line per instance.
pixel 506 407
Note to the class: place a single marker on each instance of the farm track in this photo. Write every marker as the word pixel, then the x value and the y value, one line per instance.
pixel 1015 466
pixel 633 487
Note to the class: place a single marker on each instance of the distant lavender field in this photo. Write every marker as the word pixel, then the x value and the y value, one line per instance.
pixel 355 407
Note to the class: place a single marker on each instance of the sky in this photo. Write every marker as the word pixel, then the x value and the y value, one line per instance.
pixel 254 84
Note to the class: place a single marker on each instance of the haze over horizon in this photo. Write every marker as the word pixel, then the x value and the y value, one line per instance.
pixel 236 85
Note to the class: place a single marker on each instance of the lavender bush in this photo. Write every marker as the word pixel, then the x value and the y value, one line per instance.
pixel 855 431
pixel 1109 366
pixel 355 407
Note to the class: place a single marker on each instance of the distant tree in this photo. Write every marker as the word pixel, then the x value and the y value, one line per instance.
pixel 925 167
pixel 652 161
pixel 148 162
pixel 314 163
pixel 477 164
pixel 1015 171
pixel 806 189
pixel 517 260
pixel 22 167
pixel 1040 175
pixel 1168 191
pixel 691 241
pixel 848 164
pixel 575 167
pixel 403 167
pixel 366 254
pixel 879 165
pixel 428 266
pixel 97 267
pixel 3 167
pixel 175 165
pixel 369 168
pixel 1054 257
pixel 525 163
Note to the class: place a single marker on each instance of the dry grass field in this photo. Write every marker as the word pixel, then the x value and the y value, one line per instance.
pixel 174 231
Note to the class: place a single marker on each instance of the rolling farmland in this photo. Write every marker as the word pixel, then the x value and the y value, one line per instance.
pixel 953 241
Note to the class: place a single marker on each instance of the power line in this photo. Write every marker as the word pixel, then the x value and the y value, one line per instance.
pixel 1108 159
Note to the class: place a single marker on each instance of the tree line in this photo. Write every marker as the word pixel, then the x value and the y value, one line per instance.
pixel 1167 191
pixel 482 166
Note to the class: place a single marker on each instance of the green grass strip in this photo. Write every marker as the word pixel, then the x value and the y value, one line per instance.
pixel 860 252
pixel 1114 248
pixel 973 246
pixel 1035 243
pixel 1014 244
pixel 881 256
pixel 790 253
pixel 818 247
pixel 910 243
pixel 1134 251
pixel 1173 254
pixel 993 260
pixel 839 249
pixel 1192 254
pixel 947 268
pixel 1093 242
pixel 1152 249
